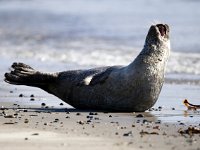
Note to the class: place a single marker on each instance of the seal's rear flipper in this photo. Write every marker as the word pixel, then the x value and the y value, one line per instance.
pixel 26 75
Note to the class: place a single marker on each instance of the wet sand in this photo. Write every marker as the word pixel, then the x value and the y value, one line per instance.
pixel 32 119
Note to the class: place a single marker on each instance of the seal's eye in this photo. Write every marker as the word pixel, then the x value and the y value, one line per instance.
pixel 162 29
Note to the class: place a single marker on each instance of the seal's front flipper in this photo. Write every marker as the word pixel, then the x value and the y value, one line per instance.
pixel 23 74
pixel 101 77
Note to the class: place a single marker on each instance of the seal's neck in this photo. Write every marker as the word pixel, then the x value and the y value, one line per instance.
pixel 154 54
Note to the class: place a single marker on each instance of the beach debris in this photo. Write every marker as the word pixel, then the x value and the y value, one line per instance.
pixel 148 133
pixel 26 121
pixel 190 106
pixel 140 116
pixel 35 134
pixel 158 122
pixel 156 127
pixel 9 123
pixel 190 130
pixel 32 95
pixel 43 104
pixel 9 116
pixel 78 114
pixel 128 134
pixel 32 99
pixel 56 120
pixel 2 108
pixel 80 122
pixel 21 95
pixel 93 113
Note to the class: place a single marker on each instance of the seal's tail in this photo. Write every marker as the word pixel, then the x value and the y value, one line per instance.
pixel 23 74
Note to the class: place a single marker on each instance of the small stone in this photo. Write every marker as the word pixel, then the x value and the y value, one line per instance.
pixel 80 122
pixel 140 116
pixel 9 116
pixel 67 117
pixel 173 108
pixel 110 116
pixel 78 114
pixel 26 121
pixel 32 99
pixel 35 134
pixel 43 104
pixel 21 95
pixel 61 104
pixel 133 125
pixel 158 122
pixel 91 113
pixel 45 124
pixel 2 108
pixel 26 138
pixel 88 121
pixel 32 95
pixel 56 120
pixel 128 134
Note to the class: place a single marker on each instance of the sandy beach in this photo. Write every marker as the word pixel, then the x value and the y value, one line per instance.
pixel 31 119
pixel 60 35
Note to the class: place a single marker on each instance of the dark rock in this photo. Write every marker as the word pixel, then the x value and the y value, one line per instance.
pixel 140 116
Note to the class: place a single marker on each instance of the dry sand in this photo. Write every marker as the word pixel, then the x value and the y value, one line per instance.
pixel 25 124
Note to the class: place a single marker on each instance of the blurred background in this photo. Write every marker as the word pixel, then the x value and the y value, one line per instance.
pixel 56 35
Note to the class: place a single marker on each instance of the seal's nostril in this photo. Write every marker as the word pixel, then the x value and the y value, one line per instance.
pixel 162 29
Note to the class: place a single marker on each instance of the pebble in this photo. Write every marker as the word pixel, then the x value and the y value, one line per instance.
pixel 43 104
pixel 89 117
pixel 128 134
pixel 32 99
pixel 32 95
pixel 158 122
pixel 61 104
pixel 140 116
pixel 56 120
pixel 78 114
pixel 21 95
pixel 35 134
pixel 26 121
pixel 9 116
pixel 110 116
pixel 92 113
pixel 80 122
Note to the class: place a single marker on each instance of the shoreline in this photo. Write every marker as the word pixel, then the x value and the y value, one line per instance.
pixel 26 124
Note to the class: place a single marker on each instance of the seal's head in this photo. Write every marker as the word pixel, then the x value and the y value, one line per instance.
pixel 158 35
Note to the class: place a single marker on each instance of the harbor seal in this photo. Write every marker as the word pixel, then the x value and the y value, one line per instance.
pixel 131 88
